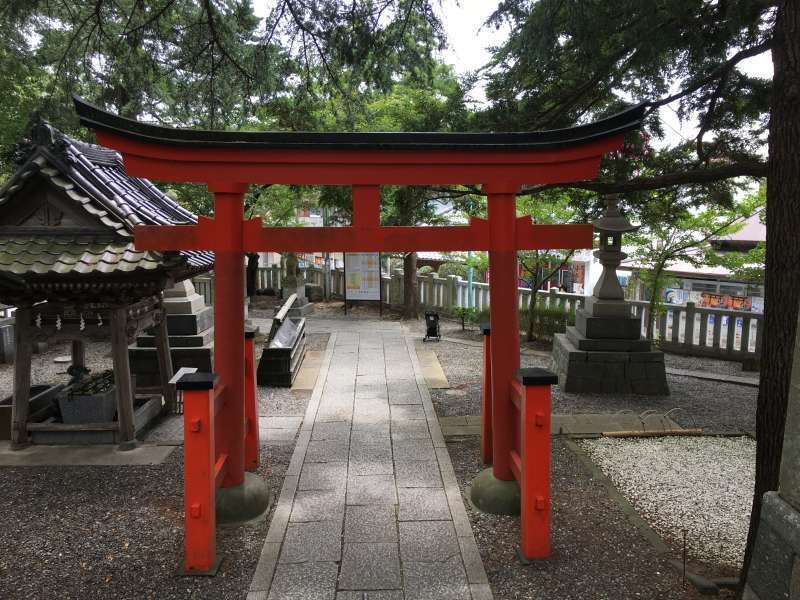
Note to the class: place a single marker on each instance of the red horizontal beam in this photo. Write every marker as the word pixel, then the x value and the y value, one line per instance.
pixel 256 238
pixel 541 237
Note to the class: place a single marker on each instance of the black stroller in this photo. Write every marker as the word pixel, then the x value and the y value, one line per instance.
pixel 432 327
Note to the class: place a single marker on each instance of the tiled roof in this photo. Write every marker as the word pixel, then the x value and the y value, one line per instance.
pixel 95 179
pixel 67 255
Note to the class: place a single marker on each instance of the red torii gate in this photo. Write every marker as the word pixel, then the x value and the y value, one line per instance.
pixel 229 161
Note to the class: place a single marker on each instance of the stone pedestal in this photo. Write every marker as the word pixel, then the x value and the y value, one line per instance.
pixel 775 568
pixel 605 354
pixel 190 324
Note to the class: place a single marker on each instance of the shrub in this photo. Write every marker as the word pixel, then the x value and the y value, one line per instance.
pixel 453 268
pixel 427 269
pixel 467 315
pixel 547 321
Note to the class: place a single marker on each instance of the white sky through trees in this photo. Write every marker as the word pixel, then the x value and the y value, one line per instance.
pixel 469 43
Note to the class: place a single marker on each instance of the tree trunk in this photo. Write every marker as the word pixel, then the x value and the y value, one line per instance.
pixel 532 311
pixel 782 272
pixel 410 291
pixel 252 272
pixel 655 293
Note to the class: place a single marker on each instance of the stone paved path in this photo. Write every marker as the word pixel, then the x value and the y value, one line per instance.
pixel 370 507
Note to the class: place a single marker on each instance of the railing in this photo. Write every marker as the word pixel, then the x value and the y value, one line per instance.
pixel 691 330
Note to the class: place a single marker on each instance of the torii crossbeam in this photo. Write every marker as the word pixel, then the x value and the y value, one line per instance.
pixel 229 161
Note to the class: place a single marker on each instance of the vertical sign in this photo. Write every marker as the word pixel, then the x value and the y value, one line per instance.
pixel 362 276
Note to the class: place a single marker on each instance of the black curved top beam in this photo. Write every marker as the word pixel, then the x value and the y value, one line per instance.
pixel 95 118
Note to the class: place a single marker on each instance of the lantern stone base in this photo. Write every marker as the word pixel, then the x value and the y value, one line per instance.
pixel 608 366
pixel 495 496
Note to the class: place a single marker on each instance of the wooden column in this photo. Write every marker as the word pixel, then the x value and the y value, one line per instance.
pixel 78 353
pixel 165 368
pixel 22 377
pixel 122 377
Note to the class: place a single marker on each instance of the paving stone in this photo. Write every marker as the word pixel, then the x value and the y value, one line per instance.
pixel 334 413
pixel 371 391
pixel 278 422
pixel 435 580
pixel 370 567
pixel 472 560
pixel 280 436
pixel 405 392
pixel 324 451
pixel 428 541
pixel 323 476
pixel 317 505
pixel 370 595
pixel 422 504
pixel 333 431
pixel 370 523
pixel 371 489
pixel 410 430
pixel 408 450
pixel 312 542
pixel 407 412
pixel 366 432
pixel 304 581
pixel 367 466
pixel 417 473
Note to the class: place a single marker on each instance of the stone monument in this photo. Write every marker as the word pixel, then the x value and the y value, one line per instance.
pixel 775 566
pixel 190 325
pixel 293 283
pixel 604 352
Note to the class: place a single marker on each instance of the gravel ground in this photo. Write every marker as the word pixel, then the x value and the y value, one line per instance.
pixel 44 370
pixel 701 485
pixel 596 553
pixel 117 532
pixel 717 407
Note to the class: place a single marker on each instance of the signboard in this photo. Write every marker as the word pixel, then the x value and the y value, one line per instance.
pixel 362 276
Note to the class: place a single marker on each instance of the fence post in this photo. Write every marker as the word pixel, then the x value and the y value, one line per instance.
pixel 451 297
pixel 486 399
pixel 534 455
pixel 199 486
pixel 251 442
pixel 688 335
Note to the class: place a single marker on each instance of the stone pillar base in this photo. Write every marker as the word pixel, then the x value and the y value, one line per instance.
pixel 245 503
pixel 495 496
pixel 775 568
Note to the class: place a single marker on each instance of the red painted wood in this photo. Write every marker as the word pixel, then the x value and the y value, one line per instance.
pixel 356 158
pixel 366 207
pixel 535 472
pixel 228 171
pixel 504 338
pixel 378 174
pixel 229 327
pixel 486 404
pixel 251 434
pixel 198 481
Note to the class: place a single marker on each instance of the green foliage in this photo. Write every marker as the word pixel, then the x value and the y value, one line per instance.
pixel 467 314
pixel 453 268
pixel 546 322
pixel 425 270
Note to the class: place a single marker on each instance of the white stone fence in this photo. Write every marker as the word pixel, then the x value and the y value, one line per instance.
pixel 690 330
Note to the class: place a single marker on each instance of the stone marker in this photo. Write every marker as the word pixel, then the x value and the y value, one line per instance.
pixel 775 568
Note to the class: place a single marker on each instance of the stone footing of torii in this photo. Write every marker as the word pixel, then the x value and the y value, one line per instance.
pixel 500 163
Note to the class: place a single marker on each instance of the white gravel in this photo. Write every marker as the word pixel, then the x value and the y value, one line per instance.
pixel 703 485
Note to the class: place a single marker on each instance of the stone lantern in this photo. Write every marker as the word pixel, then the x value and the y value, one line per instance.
pixel 604 352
